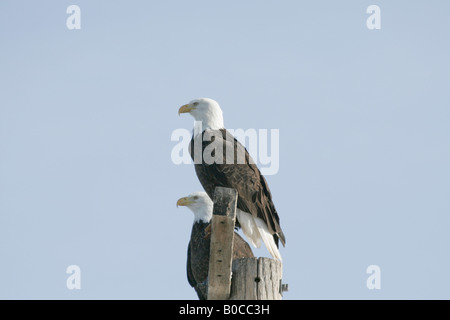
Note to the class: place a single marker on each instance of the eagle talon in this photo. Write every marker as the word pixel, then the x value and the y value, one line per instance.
pixel 208 231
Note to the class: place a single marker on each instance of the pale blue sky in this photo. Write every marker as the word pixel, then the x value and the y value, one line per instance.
pixel 86 117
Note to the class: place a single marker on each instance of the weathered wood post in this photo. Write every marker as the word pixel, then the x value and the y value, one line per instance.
pixel 221 249
pixel 242 279
pixel 257 279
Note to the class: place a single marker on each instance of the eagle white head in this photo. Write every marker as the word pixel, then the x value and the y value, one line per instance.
pixel 200 204
pixel 205 110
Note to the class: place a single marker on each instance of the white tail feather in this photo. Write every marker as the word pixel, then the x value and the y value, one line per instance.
pixel 249 227
pixel 256 229
pixel 268 239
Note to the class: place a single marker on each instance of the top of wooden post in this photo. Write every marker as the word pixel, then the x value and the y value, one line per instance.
pixel 225 201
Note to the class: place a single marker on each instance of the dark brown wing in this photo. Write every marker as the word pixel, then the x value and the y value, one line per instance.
pixel 191 278
pixel 253 192
pixel 198 260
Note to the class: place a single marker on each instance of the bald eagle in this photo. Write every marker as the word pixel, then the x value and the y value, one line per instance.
pixel 197 265
pixel 256 213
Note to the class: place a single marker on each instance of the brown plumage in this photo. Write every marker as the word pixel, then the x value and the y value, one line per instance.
pixel 254 194
pixel 198 257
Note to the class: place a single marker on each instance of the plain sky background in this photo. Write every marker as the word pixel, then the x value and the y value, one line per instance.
pixel 86 117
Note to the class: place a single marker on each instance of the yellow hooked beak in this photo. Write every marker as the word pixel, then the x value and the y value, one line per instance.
pixel 184 201
pixel 185 109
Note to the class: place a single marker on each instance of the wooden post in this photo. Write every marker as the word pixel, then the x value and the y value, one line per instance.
pixel 253 278
pixel 257 279
pixel 221 250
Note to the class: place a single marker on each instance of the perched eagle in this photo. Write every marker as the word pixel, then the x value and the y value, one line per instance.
pixel 256 213
pixel 198 249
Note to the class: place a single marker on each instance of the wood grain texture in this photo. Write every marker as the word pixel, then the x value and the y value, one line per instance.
pixel 243 284
pixel 221 250
pixel 269 275
pixel 256 279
